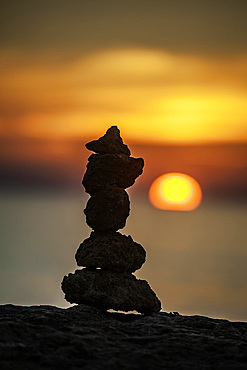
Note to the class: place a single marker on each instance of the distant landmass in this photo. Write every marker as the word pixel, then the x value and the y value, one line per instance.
pixel 220 169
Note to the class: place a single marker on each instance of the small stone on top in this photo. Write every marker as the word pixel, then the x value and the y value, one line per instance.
pixel 110 143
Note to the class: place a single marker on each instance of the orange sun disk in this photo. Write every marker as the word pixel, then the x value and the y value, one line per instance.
pixel 175 191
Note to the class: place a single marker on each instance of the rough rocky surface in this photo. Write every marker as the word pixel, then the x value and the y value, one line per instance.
pixel 108 209
pixel 111 142
pixel 81 337
pixel 112 251
pixel 110 290
pixel 118 169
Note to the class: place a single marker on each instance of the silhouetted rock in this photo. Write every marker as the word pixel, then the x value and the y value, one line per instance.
pixel 111 142
pixel 110 257
pixel 110 290
pixel 118 169
pixel 108 209
pixel 83 337
pixel 112 251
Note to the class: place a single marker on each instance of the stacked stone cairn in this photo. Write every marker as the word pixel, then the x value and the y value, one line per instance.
pixel 108 257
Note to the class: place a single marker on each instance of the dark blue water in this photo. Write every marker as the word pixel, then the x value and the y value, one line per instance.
pixel 196 261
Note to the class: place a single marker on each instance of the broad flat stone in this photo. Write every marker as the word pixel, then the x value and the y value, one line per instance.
pixel 111 142
pixel 112 251
pixel 110 290
pixel 108 209
pixel 114 169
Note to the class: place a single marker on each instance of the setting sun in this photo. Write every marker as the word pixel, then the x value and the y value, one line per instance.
pixel 175 191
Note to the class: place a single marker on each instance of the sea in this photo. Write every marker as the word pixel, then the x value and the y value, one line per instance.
pixel 196 261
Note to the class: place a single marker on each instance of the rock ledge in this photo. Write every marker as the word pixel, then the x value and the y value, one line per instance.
pixel 82 337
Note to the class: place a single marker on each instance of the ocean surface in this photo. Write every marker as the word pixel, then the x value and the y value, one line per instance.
pixel 196 261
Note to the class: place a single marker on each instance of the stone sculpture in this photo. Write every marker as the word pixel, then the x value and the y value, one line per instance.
pixel 108 257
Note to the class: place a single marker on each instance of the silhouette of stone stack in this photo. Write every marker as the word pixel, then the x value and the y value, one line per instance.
pixel 108 257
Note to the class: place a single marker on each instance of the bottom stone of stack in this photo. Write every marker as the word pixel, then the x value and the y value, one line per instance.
pixel 120 291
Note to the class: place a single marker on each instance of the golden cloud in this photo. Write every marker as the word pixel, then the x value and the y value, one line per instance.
pixel 152 94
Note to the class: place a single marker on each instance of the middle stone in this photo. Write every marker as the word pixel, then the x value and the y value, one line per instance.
pixel 108 209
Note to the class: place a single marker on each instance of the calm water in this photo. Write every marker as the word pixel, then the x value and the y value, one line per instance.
pixel 196 261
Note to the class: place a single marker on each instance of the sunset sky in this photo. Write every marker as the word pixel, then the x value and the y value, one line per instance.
pixel 164 71
pixel 172 75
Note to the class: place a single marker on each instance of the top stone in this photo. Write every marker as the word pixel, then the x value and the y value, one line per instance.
pixel 110 143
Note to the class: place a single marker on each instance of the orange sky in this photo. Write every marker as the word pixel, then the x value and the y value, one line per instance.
pixel 152 95
pixel 163 71
pixel 166 72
